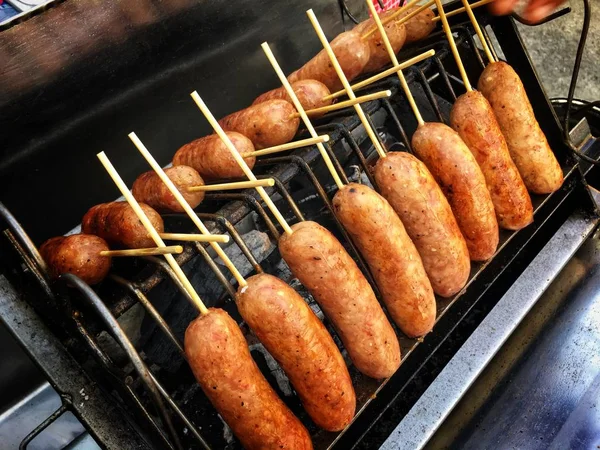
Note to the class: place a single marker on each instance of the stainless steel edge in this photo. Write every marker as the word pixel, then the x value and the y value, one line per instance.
pixel 421 422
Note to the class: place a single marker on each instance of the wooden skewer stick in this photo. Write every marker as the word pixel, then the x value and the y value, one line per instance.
pixel 152 231
pixel 473 20
pixel 288 146
pixel 238 158
pixel 305 119
pixel 461 10
pixel 390 50
pixel 189 237
pixel 144 251
pixel 392 16
pixel 345 83
pixel 233 185
pixel 345 104
pixel 382 75
pixel 448 31
pixel 186 206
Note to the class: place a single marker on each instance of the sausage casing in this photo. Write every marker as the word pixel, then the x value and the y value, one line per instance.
pixel 351 52
pixel 411 190
pixel 300 343
pixel 324 267
pixel 221 362
pixel 527 144
pixel 117 224
pixel 266 124
pixel 378 55
pixel 455 169
pixel 150 189
pixel 392 257
pixel 310 94
pixel 78 254
pixel 419 26
pixel 212 159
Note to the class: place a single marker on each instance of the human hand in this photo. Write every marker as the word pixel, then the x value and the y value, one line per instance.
pixel 535 11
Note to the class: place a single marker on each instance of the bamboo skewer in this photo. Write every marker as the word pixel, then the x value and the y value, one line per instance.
pixel 448 31
pixel 382 75
pixel 473 20
pixel 152 231
pixel 461 10
pixel 238 158
pixel 171 249
pixel 186 207
pixel 390 50
pixel 233 185
pixel 186 237
pixel 305 119
pixel 344 104
pixel 345 83
pixel 289 146
pixel 391 17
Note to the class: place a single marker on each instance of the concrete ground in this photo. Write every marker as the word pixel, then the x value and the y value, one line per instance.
pixel 553 46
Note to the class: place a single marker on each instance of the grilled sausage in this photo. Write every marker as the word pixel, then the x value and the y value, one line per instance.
pixel 117 223
pixel 527 144
pixel 455 169
pixel 351 52
pixel 419 26
pixel 310 94
pixel 150 189
pixel 300 343
pixel 220 360
pixel 472 117
pixel 78 254
pixel 411 190
pixel 378 55
pixel 394 261
pixel 324 267
pixel 266 124
pixel 212 159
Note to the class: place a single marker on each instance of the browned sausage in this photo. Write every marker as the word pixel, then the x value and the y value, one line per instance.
pixel 394 261
pixel 310 94
pixel 412 191
pixel 300 343
pixel 527 144
pixel 150 189
pixel 324 267
pixel 455 169
pixel 117 223
pixel 472 117
pixel 212 159
pixel 266 124
pixel 419 26
pixel 78 254
pixel 351 52
pixel 378 55
pixel 219 357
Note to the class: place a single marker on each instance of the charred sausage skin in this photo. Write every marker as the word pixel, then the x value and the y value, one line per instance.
pixel 324 267
pixel 221 362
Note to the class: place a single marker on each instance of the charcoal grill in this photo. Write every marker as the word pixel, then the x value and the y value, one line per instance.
pixel 140 392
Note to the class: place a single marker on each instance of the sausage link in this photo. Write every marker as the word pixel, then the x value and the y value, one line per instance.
pixel 310 94
pixel 527 144
pixel 150 189
pixel 324 267
pixel 455 169
pixel 351 52
pixel 472 117
pixel 221 362
pixel 78 254
pixel 411 190
pixel 212 159
pixel 266 124
pixel 300 343
pixel 378 55
pixel 392 257
pixel 419 26
pixel 117 224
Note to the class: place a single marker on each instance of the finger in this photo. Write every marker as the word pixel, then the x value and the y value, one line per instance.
pixel 502 7
pixel 537 10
